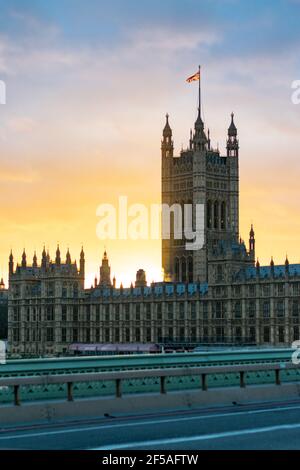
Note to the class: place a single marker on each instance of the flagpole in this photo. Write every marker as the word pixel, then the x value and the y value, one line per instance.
pixel 199 109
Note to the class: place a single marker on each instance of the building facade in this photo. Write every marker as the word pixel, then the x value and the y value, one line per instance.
pixel 216 294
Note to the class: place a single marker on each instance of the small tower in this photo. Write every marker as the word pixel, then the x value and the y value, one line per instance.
pixel 232 141
pixel 167 146
pixel 57 256
pixel 252 244
pixel 68 258
pixel 24 262
pixel 140 278
pixel 34 261
pixel 199 139
pixel 2 285
pixel 44 258
pixel 287 266
pixel 11 264
pixel 105 280
pixel 82 264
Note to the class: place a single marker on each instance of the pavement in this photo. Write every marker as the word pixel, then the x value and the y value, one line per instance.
pixel 267 426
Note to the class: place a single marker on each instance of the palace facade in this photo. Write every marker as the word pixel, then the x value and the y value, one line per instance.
pixel 216 294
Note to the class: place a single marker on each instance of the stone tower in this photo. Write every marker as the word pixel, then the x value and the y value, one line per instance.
pixel 105 280
pixel 201 176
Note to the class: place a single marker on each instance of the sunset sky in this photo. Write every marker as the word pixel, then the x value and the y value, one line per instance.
pixel 88 85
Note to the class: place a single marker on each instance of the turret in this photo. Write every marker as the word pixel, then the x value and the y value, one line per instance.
pixel 68 258
pixel 44 258
pixel 140 278
pixel 11 264
pixel 252 244
pixel 24 262
pixel 82 264
pixel 34 261
pixel 232 141
pixel 105 271
pixel 57 256
pixel 167 146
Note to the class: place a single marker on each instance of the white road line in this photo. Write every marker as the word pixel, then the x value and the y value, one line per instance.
pixel 148 423
pixel 206 437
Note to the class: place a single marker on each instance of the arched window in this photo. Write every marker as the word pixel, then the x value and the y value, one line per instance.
pixel 190 269
pixel 223 216
pixel 209 214
pixel 183 270
pixel 216 215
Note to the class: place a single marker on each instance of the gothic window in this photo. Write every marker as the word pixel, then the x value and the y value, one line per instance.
pixel 75 313
pixel 238 310
pixel 181 310
pixel 295 308
pixel 216 215
pixel 281 334
pixel 238 334
pixel 223 216
pixel 190 269
pixel 252 332
pixel 183 270
pixel 219 273
pixel 49 334
pixel 75 335
pixel 280 308
pixel 209 214
pixel 64 313
pixel 296 333
pixel 63 335
pixel 266 309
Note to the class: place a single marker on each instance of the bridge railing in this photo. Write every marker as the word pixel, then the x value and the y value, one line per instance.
pixel 162 374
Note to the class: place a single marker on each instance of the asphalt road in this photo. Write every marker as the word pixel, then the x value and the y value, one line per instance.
pixel 240 427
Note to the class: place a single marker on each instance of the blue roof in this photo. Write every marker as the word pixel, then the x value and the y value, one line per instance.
pixel 265 271
pixel 157 290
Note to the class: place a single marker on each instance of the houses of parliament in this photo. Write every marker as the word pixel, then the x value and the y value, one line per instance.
pixel 217 294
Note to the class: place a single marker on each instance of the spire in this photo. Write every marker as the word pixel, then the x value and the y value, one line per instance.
pixel 44 258
pixel 252 243
pixel 232 130
pixel 82 263
pixel 68 257
pixel 105 271
pixel 24 262
pixel 167 132
pixel 57 257
pixel 48 258
pixel 34 261
pixel 167 146
pixel 11 264
pixel 232 141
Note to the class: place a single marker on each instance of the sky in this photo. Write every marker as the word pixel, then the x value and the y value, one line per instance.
pixel 88 86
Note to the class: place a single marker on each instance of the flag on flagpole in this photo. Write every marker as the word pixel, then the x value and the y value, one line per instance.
pixel 194 78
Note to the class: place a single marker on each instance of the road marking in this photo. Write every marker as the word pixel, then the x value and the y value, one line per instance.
pixel 205 437
pixel 148 422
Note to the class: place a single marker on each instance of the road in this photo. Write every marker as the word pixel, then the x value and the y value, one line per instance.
pixel 239 427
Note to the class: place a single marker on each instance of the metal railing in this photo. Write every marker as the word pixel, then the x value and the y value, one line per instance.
pixel 202 372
